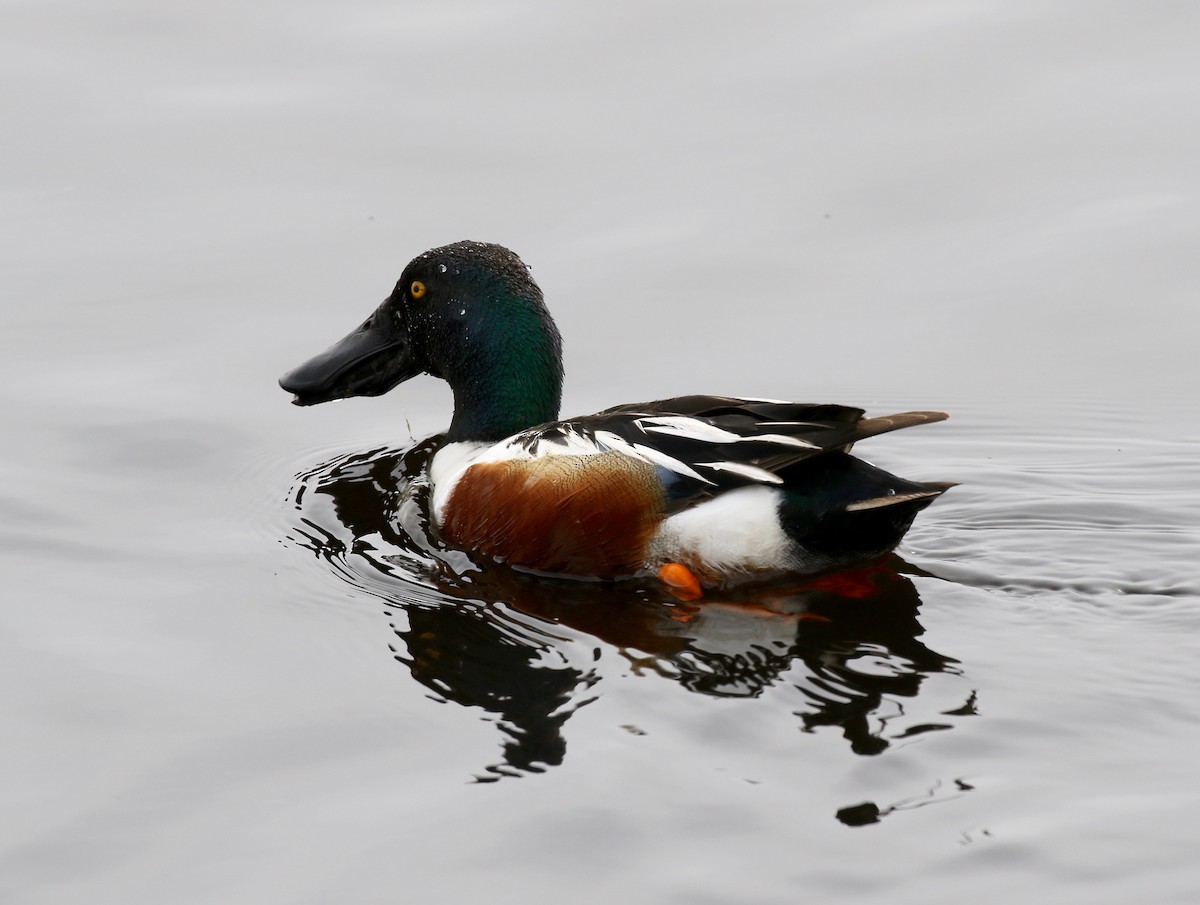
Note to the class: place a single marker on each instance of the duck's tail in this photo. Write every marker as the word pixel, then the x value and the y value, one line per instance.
pixel 842 511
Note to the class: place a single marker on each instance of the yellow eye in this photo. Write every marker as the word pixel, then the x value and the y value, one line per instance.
pixel 417 289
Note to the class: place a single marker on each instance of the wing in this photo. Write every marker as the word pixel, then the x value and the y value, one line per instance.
pixel 703 445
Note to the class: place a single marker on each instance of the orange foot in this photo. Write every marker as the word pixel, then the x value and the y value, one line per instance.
pixel 681 582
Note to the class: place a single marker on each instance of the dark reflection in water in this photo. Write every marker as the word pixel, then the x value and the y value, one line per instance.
pixel 486 636
pixel 469 660
pixel 868 812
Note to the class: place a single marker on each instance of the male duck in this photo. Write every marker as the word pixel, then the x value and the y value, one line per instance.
pixel 698 490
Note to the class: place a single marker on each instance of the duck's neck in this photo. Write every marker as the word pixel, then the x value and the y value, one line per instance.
pixel 509 389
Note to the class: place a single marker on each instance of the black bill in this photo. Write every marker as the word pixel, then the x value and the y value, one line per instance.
pixel 368 362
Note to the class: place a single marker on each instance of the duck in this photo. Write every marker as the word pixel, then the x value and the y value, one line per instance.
pixel 698 491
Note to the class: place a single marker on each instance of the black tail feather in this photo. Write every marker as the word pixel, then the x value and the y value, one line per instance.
pixel 844 510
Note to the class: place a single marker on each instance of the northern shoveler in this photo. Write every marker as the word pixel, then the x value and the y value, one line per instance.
pixel 699 490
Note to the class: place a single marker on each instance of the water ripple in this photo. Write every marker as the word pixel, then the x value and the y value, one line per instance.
pixel 529 651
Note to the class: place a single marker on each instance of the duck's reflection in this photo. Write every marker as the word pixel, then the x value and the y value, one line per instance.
pixel 468 659
pixel 484 636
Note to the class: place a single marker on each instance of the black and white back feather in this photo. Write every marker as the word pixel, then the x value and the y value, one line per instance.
pixel 701 446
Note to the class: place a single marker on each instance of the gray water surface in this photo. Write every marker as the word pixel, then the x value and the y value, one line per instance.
pixel 231 675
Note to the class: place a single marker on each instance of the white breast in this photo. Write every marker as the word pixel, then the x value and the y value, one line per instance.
pixel 445 469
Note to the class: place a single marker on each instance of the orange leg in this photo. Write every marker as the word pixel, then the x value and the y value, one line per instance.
pixel 681 581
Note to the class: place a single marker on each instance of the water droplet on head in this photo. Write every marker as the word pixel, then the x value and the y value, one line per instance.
pixel 441 268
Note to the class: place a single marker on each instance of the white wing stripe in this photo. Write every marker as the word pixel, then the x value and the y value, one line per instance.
pixel 691 428
pixel 753 472
pixel 694 429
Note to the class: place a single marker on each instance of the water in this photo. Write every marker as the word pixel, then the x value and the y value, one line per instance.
pixel 234 670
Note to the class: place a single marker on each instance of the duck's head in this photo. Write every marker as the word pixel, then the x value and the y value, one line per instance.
pixel 468 313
